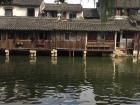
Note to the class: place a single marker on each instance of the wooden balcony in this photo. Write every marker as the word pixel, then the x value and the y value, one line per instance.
pixel 100 46
pixel 23 44
pixel 77 45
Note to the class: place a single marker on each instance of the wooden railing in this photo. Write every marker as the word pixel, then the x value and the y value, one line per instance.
pixel 23 44
pixel 70 45
pixel 104 46
pixel 37 44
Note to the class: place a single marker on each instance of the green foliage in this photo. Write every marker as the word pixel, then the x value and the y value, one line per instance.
pixel 61 1
pixel 105 8
pixel 5 2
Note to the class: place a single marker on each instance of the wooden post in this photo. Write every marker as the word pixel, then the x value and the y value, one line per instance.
pixel 138 46
pixel 69 53
pixel 73 53
pixel 126 46
pixel 84 53
pixel 86 41
pixel 115 44
pixel 7 42
pixel 121 34
pixel 135 42
pixel 56 40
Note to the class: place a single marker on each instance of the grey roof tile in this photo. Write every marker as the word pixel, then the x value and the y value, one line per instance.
pixel 26 2
pixel 32 23
pixel 127 4
pixel 63 7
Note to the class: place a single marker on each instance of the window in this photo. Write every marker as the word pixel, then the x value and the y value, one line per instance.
pixel 8 12
pixel 30 12
pixel 132 12
pixel 72 15
pixel 53 13
pixel 67 36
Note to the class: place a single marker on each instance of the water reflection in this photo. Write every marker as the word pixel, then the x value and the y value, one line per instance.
pixel 54 60
pixel 7 59
pixel 32 60
pixel 69 81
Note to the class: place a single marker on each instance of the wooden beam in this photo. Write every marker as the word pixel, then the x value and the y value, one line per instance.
pixel 115 41
pixel 86 40
pixel 126 45
pixel 138 45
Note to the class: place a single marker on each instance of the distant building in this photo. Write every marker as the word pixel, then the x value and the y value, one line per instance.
pixel 63 11
pixel 90 13
pixel 21 8
pixel 125 8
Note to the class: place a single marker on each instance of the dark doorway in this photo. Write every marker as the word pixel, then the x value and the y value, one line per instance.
pixel 30 12
pixel 118 40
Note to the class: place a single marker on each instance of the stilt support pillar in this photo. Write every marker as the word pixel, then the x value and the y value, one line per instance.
pixel 7 52
pixel 84 53
pixel 135 53
pixel 33 53
pixel 54 53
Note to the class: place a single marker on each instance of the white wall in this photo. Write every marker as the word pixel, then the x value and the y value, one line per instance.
pixel 2 12
pixel 84 3
pixel 18 11
pixel 79 15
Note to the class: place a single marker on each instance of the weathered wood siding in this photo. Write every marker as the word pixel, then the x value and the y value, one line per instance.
pixel 98 41
pixel 69 40
pixel 43 40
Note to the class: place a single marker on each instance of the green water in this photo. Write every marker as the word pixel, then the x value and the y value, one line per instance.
pixel 69 81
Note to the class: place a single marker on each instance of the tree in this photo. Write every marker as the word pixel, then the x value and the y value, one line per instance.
pixel 61 1
pixel 105 8
pixel 5 1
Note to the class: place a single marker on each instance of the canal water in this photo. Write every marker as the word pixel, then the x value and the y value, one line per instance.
pixel 69 81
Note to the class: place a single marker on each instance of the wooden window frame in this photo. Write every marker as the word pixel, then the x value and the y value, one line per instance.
pixel 10 10
pixel 31 12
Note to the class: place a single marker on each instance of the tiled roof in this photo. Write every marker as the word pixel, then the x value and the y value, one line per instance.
pixel 30 23
pixel 63 7
pixel 127 25
pixel 21 23
pixel 46 24
pixel 127 4
pixel 27 2
pixel 90 13
pixel 86 25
